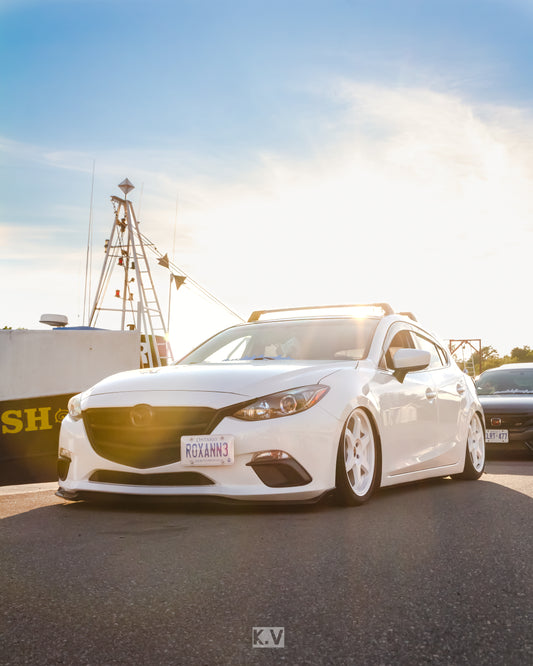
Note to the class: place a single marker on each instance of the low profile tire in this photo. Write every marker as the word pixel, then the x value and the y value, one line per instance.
pixel 475 451
pixel 358 460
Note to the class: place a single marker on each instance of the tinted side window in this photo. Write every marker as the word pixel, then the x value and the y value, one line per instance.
pixel 433 349
pixel 403 339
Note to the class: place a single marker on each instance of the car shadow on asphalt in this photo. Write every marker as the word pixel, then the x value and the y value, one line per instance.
pixel 423 491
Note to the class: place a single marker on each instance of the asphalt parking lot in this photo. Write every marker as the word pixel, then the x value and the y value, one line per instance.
pixel 437 572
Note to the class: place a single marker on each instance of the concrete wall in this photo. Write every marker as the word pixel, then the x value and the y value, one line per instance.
pixel 52 362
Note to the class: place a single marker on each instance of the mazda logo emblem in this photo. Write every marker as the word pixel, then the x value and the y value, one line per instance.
pixel 141 415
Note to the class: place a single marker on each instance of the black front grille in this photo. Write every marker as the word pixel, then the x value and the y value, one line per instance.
pixel 167 479
pixel 146 437
pixel 515 422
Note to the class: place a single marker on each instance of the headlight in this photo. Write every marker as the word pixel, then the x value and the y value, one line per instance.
pixel 74 407
pixel 283 403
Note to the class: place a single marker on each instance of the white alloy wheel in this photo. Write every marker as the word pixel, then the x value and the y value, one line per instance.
pixel 357 459
pixel 475 450
pixel 476 443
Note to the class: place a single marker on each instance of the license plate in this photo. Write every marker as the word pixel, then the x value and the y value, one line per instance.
pixel 497 436
pixel 207 450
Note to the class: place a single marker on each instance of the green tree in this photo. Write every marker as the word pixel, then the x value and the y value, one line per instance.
pixel 491 359
pixel 522 355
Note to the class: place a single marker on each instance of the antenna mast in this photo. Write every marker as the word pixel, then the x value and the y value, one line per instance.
pixel 139 305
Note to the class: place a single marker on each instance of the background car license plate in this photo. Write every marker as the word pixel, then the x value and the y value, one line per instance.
pixel 498 436
pixel 207 450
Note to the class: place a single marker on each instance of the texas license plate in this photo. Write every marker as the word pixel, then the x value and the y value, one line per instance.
pixel 497 436
pixel 207 450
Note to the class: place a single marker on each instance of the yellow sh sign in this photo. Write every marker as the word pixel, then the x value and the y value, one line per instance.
pixel 27 420
pixel 31 415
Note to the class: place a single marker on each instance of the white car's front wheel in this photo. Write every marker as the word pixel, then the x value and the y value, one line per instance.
pixel 357 460
pixel 475 450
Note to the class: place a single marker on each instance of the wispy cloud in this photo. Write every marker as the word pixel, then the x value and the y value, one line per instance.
pixel 419 197
pixel 410 202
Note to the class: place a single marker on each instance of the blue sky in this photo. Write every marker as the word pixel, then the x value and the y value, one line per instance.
pixel 318 152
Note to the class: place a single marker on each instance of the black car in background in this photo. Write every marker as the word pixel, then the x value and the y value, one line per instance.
pixel 506 394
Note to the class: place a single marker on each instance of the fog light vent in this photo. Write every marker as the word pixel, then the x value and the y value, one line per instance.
pixel 277 469
pixel 63 465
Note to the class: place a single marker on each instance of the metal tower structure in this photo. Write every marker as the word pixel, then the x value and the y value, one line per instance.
pixel 471 345
pixel 139 306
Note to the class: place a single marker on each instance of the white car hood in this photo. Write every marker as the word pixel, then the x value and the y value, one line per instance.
pixel 247 379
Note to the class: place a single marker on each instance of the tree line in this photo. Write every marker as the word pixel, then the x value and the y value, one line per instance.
pixel 490 358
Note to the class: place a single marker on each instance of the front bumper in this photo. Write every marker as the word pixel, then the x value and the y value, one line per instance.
pixel 310 439
pixel 520 436
pixel 515 444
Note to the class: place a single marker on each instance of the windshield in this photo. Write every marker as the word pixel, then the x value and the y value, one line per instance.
pixel 505 381
pixel 316 340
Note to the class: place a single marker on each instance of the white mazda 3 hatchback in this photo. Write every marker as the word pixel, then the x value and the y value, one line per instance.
pixel 281 408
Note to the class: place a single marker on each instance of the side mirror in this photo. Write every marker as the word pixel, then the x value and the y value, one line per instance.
pixel 409 360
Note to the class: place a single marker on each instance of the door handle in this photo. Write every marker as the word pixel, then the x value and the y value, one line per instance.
pixel 430 394
pixel 461 390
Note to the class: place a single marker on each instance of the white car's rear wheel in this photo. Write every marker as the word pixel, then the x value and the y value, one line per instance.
pixel 357 460
pixel 475 450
